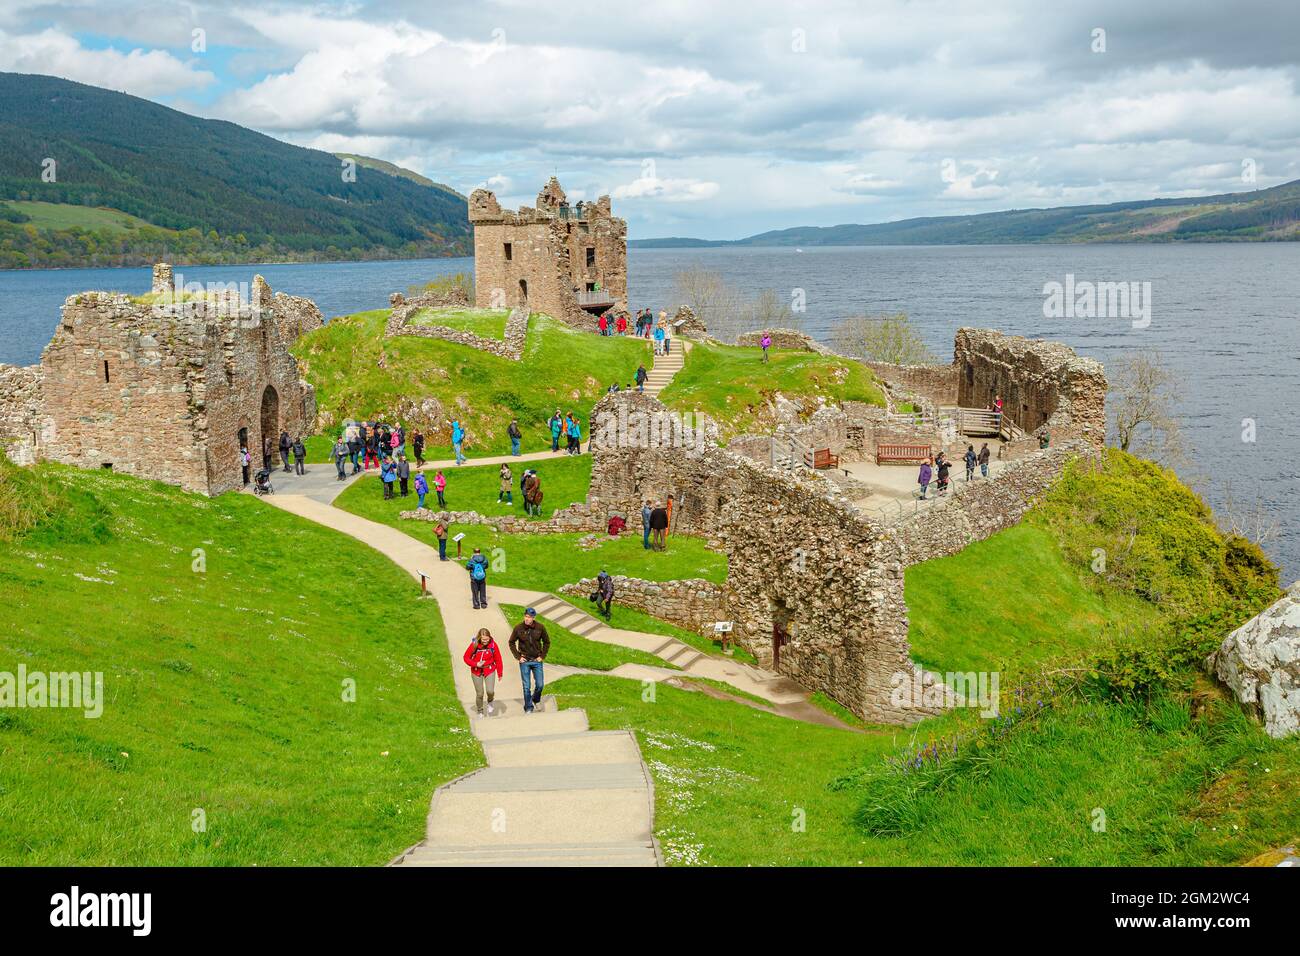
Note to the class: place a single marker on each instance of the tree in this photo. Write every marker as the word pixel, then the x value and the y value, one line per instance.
pixel 881 338
pixel 1143 404
pixel 713 301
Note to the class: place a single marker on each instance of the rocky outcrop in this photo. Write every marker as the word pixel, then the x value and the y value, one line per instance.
pixel 785 339
pixel 510 346
pixel 1260 663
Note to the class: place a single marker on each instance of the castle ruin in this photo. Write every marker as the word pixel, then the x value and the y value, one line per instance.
pixel 167 386
pixel 568 262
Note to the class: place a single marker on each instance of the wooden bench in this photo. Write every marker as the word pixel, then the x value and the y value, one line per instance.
pixel 821 458
pixel 902 454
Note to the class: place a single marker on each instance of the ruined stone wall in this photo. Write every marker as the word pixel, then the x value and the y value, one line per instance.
pixel 692 603
pixel 785 339
pixel 161 391
pixel 1041 383
pixel 936 384
pixel 21 414
pixel 510 346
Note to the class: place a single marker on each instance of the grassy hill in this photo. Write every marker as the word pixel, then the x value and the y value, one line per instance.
pixel 224 687
pixel 733 386
pixel 358 373
pixel 213 191
pixel 1262 214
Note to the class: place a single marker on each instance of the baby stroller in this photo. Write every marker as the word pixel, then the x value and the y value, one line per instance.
pixel 262 482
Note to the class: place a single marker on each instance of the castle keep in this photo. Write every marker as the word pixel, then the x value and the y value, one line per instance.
pixel 566 261
pixel 167 386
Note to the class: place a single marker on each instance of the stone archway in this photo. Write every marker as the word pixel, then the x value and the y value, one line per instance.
pixel 270 418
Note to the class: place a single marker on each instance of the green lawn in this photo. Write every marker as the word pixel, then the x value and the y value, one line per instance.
pixel 732 385
pixel 577 651
pixel 47 215
pixel 489 323
pixel 358 373
pixel 1011 597
pixel 224 690
pixel 475 488
pixel 738 787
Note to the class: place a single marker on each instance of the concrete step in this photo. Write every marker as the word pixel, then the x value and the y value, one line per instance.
pixel 535 778
pixel 568 816
pixel 583 854
pixel 592 747
pixel 541 723
pixel 588 627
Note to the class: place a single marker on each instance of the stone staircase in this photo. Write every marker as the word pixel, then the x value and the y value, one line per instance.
pixel 553 794
pixel 672 651
pixel 665 367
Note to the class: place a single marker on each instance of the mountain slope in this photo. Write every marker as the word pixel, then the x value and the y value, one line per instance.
pixel 1265 214
pixel 179 172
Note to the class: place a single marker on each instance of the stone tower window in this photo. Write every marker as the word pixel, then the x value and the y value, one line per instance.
pixel 510 252
pixel 591 256
pixel 105 370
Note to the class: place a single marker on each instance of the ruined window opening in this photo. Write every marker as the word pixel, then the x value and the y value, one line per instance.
pixel 591 287
pixel 105 370
pixel 970 374
pixel 510 252
pixel 107 466
pixel 591 256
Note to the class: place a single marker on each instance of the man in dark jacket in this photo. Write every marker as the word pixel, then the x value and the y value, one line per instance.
pixel 355 448
pixel 299 456
pixel 284 450
pixel 604 592
pixel 516 436
pixel 658 525
pixel 641 376
pixel 645 524
pixel 404 475
pixel 529 643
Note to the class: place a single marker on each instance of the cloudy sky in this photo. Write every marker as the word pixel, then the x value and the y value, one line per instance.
pixel 719 119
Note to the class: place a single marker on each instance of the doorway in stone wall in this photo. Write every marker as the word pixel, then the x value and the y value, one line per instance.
pixel 523 292
pixel 781 625
pixel 270 418
pixel 243 445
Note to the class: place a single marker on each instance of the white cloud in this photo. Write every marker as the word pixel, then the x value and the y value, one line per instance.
pixel 666 190
pixel 141 72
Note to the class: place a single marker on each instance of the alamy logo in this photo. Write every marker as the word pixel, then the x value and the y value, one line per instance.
pixel 219 299
pixel 1098 300
pixel 103 909
pixel 663 429
pixel 77 690
pixel 968 689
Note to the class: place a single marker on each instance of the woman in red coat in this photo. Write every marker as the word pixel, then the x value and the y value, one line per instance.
pixel 484 660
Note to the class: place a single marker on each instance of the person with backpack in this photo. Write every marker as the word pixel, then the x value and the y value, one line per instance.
pixel 507 490
pixel 440 532
pixel 529 644
pixel 604 592
pixel 421 488
pixel 485 668
pixel 404 474
pixel 641 376
pixel 457 440
pixel 417 446
pixel 533 494
pixel 575 435
pixel 388 477
pixel 516 436
pixel 970 458
pixel 659 525
pixel 372 448
pixel 983 459
pixel 395 443
pixel 440 485
pixel 285 445
pixel 659 340
pixel 620 325
pixel 557 426
pixel 923 479
pixel 299 456
pixel 477 566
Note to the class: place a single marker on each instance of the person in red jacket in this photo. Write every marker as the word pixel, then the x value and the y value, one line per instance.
pixel 484 659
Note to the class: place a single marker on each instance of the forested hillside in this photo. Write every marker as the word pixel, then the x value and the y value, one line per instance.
pixel 206 190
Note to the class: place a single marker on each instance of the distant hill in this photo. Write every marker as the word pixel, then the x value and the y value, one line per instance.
pixel 194 190
pixel 394 170
pixel 1264 214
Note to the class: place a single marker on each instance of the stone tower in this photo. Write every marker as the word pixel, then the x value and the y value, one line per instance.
pixel 567 261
